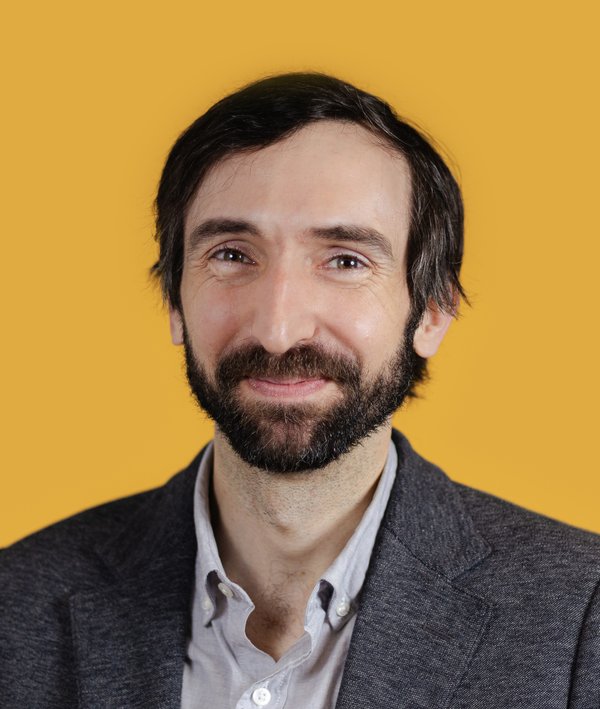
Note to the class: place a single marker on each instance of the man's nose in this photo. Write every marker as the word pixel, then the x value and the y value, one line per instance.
pixel 284 311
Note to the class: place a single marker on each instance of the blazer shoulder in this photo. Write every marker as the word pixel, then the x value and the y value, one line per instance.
pixel 542 581
pixel 509 528
pixel 38 575
pixel 63 554
pixel 42 574
pixel 454 528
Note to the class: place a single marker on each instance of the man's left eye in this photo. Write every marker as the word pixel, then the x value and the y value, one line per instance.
pixel 346 262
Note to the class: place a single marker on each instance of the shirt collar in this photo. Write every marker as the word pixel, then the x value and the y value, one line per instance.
pixel 346 574
pixel 209 569
pixel 338 589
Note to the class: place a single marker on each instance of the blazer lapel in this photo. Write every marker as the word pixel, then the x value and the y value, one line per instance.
pixel 130 635
pixel 417 628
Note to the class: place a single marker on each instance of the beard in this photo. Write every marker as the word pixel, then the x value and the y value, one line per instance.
pixel 281 437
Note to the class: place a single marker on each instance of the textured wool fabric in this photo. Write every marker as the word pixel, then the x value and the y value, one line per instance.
pixel 469 602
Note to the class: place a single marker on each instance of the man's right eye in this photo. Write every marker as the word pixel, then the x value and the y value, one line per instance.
pixel 231 256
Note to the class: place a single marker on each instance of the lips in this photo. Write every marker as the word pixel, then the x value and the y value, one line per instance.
pixel 286 388
pixel 298 372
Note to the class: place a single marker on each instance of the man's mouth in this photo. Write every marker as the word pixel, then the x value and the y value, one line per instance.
pixel 286 387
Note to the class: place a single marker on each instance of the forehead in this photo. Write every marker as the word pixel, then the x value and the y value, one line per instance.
pixel 325 173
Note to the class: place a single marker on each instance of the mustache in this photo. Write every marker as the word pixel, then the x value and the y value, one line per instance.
pixel 308 361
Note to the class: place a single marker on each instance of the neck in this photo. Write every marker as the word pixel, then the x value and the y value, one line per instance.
pixel 278 533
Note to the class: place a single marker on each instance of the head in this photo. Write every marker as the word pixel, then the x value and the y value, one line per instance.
pixel 296 154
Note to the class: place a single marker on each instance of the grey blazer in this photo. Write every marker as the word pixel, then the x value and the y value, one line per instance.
pixel 469 602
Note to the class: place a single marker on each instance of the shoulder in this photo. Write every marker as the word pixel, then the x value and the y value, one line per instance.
pixel 64 554
pixel 41 574
pixel 70 556
pixel 518 560
pixel 527 536
pixel 537 578
pixel 38 575
pixel 432 499
pixel 542 581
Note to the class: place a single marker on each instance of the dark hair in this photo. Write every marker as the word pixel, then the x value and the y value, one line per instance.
pixel 269 110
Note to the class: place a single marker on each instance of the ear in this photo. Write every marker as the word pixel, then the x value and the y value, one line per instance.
pixel 431 330
pixel 175 325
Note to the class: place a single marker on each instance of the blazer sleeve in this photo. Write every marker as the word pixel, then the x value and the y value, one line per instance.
pixel 585 690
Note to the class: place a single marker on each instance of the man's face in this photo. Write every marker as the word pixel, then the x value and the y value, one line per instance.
pixel 294 296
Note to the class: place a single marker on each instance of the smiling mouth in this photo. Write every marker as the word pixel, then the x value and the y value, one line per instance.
pixel 286 388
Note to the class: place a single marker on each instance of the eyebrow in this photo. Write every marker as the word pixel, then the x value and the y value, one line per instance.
pixel 357 234
pixel 341 232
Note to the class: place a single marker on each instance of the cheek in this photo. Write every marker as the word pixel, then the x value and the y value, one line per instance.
pixel 369 335
pixel 371 323
pixel 212 322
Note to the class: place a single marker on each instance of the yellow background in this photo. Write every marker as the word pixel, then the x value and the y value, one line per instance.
pixel 94 402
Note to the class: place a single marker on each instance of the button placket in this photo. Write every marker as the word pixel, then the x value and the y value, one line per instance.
pixel 276 684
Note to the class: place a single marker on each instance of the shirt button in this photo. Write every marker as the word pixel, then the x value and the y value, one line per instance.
pixel 225 590
pixel 343 608
pixel 261 696
pixel 207 604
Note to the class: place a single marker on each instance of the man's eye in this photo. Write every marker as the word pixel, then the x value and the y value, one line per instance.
pixel 346 262
pixel 231 256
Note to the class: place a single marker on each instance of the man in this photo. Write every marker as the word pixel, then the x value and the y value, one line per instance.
pixel 310 247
